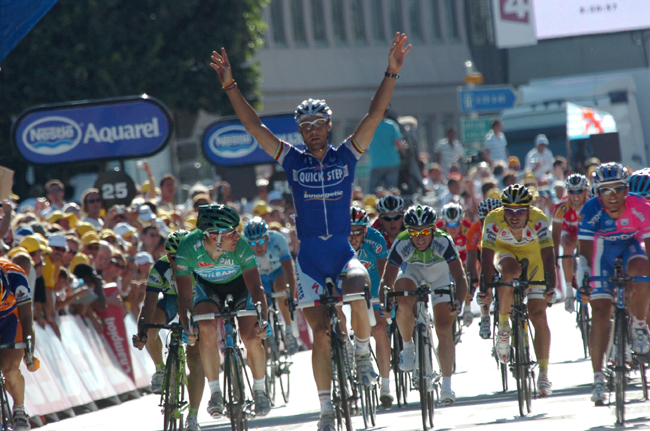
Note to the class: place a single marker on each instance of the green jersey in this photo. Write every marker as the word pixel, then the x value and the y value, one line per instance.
pixel 193 258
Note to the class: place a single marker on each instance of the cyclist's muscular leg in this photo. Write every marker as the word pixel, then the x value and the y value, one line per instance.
pixel 354 282
pixel 280 285
pixel 510 270
pixel 569 247
pixel 320 354
pixel 640 301
pixel 537 315
pixel 196 379
pixel 443 320
pixel 154 344
pixel 405 312
pixel 256 355
pixel 599 333
pixel 208 345
pixel 383 345
pixel 14 380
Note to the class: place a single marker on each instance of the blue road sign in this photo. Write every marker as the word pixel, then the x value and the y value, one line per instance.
pixel 486 99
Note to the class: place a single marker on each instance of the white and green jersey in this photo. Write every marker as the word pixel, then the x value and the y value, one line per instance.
pixel 441 250
pixel 161 278
pixel 193 258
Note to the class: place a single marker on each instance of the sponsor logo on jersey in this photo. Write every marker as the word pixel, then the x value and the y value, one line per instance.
pixel 621 237
pixel 609 222
pixel 205 264
pixel 625 222
pixel 22 293
pixel 638 214
pixel 317 177
pixel 155 278
pixel 181 267
pixel 218 273
pixel 228 262
pixel 197 245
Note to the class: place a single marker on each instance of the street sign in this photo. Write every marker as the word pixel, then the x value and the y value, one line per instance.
pixel 474 129
pixel 486 99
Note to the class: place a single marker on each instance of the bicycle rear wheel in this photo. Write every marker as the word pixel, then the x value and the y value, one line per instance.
pixel 619 368
pixel 170 394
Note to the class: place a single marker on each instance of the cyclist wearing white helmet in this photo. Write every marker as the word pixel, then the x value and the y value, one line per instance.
pixel 565 229
pixel 613 226
pixel 391 218
pixel 321 177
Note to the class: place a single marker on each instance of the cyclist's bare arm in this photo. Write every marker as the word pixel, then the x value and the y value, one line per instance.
pixel 150 301
pixel 390 274
pixel 365 131
pixel 381 266
pixel 458 274
pixel 487 264
pixel 471 263
pixel 647 247
pixel 290 273
pixel 26 318
pixel 254 285
pixel 548 260
pixel 587 251
pixel 245 112
pixel 556 235
pixel 184 286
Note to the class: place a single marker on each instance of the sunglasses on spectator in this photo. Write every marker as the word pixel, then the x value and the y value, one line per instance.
pixel 576 192
pixel 391 218
pixel 311 125
pixel 58 248
pixel 257 242
pixel 116 263
pixel 69 250
pixel 610 190
pixel 454 224
pixel 93 201
pixel 357 232
pixel 93 246
pixel 515 211
pixel 416 233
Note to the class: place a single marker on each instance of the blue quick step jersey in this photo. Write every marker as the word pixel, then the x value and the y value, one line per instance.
pixel 321 190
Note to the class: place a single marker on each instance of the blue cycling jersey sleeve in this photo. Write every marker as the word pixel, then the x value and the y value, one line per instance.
pixel 321 190
pixel 589 218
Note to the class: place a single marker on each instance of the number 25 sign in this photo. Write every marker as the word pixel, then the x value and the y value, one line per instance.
pixel 515 10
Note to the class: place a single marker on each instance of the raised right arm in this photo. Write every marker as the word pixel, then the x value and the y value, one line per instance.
pixel 245 112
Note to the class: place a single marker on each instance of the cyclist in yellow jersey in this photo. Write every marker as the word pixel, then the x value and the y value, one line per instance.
pixel 516 231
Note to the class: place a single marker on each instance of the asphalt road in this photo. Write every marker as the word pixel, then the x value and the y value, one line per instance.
pixel 480 403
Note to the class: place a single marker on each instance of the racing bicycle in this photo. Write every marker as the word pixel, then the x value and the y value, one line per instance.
pixel 5 410
pixel 278 360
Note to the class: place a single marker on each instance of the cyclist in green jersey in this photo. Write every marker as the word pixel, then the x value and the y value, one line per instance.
pixel 162 279
pixel 222 263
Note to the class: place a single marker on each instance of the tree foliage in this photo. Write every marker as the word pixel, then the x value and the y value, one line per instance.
pixel 95 49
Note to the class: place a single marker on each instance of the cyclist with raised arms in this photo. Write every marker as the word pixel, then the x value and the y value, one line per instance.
pixel 16 324
pixel 222 263
pixel 612 226
pixel 425 255
pixel 511 233
pixel 276 268
pixel 565 229
pixel 162 279
pixel 474 236
pixel 370 248
pixel 390 221
pixel 320 176
pixel 452 219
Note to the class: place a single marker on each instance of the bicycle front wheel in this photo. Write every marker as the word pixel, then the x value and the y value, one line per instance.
pixel 519 365
pixel 620 340
pixel 342 388
pixel 401 382
pixel 283 361
pixel 584 323
pixel 171 394
pixel 236 391
pixel 5 410
pixel 272 359
pixel 424 385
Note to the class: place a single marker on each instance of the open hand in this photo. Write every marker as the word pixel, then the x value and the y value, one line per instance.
pixel 397 53
pixel 221 64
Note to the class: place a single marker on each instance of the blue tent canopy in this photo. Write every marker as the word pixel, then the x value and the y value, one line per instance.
pixel 17 18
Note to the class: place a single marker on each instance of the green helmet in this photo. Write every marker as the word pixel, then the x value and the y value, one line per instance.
pixel 174 239
pixel 216 217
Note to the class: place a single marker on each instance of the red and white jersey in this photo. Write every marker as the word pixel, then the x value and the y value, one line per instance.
pixel 564 213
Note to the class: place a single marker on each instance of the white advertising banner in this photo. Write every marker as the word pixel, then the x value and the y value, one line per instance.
pixel 514 23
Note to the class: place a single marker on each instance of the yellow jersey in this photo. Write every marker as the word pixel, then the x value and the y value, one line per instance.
pixel 535 234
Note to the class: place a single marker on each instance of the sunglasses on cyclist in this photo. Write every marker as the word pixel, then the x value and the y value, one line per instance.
pixel 575 192
pixel 357 232
pixel 391 218
pixel 610 190
pixel 257 242
pixel 454 224
pixel 311 125
pixel 515 211
pixel 416 233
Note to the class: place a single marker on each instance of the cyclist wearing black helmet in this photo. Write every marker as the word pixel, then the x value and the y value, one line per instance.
pixel 424 254
pixel 221 262
pixel 321 179
pixel 162 279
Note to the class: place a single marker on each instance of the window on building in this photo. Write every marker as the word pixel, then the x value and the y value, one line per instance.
pixel 433 20
pixel 415 19
pixel 338 20
pixel 453 32
pixel 396 17
pixel 377 20
pixel 318 22
pixel 358 21
pixel 298 23
pixel 277 23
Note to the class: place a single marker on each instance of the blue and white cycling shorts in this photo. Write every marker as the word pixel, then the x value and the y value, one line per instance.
pixel 169 305
pixel 321 258
pixel 269 279
pixel 605 254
